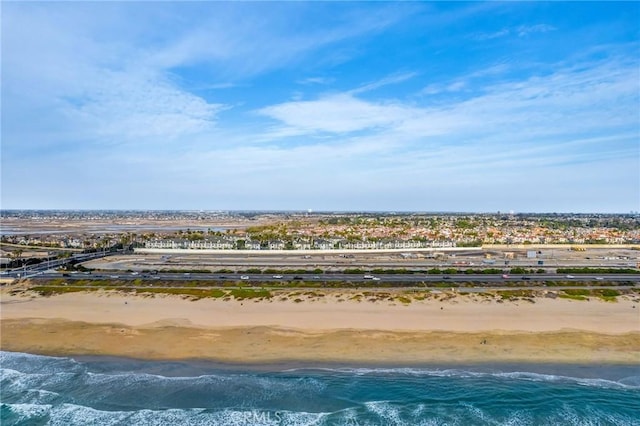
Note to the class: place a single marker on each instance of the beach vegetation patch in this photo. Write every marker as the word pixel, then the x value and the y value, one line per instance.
pixel 240 293
pixel 53 290
pixel 515 294
pixel 422 296
pixel 575 294
pixel 607 294
pixel 572 297
pixel 190 292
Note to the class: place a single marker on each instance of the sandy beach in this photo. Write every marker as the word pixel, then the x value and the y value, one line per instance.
pixel 457 329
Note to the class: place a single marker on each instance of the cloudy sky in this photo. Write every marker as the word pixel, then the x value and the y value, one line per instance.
pixel 446 106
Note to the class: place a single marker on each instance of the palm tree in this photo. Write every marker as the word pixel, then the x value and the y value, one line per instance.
pixel 16 254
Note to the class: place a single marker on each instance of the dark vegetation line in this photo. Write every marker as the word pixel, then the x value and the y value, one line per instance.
pixel 392 271
pixel 225 284
pixel 405 297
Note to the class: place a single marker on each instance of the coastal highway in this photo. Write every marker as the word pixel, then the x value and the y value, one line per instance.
pixel 399 279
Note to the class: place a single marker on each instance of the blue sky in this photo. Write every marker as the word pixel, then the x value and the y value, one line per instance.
pixel 445 106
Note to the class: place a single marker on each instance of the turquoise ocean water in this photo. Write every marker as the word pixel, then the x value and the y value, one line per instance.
pixel 39 390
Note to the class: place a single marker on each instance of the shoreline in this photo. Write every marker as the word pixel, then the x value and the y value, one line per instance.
pixel 195 367
pixel 457 329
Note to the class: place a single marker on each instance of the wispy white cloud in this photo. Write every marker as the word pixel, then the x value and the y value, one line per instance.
pixel 89 84
pixel 539 136
pixel 234 37
pixel 525 30
pixel 489 36
pixel 593 99
pixel 436 88
pixel 106 87
pixel 386 81
pixel 359 167
pixel 519 31
pixel 137 107
pixel 317 80
pixel 335 113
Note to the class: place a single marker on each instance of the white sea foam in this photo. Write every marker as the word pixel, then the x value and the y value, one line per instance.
pixel 71 414
pixel 519 418
pixel 7 356
pixel 632 382
pixel 14 381
pixel 39 396
pixel 254 388
pixel 62 391
pixel 386 411
pixel 42 365
pixel 26 413
pixel 538 377
pixel 614 419
pixel 377 413
pixel 478 414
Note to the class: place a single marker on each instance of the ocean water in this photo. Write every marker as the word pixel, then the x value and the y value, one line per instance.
pixel 39 390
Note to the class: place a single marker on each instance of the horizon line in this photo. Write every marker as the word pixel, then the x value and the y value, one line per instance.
pixel 312 212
